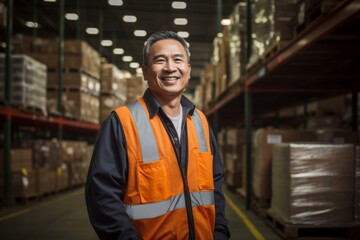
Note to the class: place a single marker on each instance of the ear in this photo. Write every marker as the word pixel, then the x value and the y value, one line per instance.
pixel 144 70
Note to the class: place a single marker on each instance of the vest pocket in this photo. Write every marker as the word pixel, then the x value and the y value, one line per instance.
pixel 205 170
pixel 153 181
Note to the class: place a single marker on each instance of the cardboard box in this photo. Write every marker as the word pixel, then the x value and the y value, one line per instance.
pixel 23 184
pixel 313 183
pixel 45 180
pixel 20 159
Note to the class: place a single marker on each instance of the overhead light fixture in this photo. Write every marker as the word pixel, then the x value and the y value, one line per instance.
pixel 140 33
pixel 118 51
pixel 127 58
pixel 115 2
pixel 134 65
pixel 129 18
pixel 92 30
pixel 106 43
pixel 178 5
pixel 183 34
pixel 31 24
pixel 139 71
pixel 49 0
pixel 180 21
pixel 71 16
pixel 225 22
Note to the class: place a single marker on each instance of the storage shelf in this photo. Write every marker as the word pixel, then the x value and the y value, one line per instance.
pixel 322 61
pixel 31 119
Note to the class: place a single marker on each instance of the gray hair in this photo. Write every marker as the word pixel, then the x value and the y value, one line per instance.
pixel 161 36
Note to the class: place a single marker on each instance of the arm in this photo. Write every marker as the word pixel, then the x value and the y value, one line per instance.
pixel 106 182
pixel 221 228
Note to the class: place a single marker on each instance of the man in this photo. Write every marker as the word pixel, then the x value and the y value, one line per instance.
pixel 155 172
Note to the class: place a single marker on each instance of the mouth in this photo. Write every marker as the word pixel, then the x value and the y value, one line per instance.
pixel 169 78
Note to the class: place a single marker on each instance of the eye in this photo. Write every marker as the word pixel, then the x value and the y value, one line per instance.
pixel 178 60
pixel 159 60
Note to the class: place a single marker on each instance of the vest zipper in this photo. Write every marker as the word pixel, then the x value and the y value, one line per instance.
pixel 177 147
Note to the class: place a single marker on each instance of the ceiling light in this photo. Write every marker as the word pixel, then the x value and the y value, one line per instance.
pixel 71 16
pixel 31 24
pixel 139 71
pixel 129 18
pixel 127 58
pixel 92 30
pixel 183 34
pixel 178 5
pixel 118 51
pixel 49 0
pixel 180 21
pixel 115 2
pixel 140 33
pixel 225 22
pixel 134 65
pixel 106 43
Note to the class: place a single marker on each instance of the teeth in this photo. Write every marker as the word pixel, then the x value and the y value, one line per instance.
pixel 169 78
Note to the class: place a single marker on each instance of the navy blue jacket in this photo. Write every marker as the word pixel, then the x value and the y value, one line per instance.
pixel 107 175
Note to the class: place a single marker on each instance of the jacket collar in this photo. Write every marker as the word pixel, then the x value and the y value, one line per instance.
pixel 153 105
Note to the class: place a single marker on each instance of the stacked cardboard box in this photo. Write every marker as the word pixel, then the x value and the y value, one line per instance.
pixel 28 83
pixel 23 178
pixel 113 89
pixel 80 87
pixel 313 183
pixel 46 180
pixel 234 157
pixel 76 104
pixel 136 87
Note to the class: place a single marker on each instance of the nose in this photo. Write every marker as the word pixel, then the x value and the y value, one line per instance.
pixel 170 66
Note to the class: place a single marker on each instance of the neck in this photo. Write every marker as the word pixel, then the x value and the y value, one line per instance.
pixel 170 105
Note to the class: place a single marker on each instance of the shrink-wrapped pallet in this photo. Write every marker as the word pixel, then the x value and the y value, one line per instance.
pixel 237 43
pixel 28 83
pixel 263 141
pixel 313 183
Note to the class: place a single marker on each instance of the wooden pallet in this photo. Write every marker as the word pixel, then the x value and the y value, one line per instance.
pixel 259 206
pixel 308 231
pixel 31 109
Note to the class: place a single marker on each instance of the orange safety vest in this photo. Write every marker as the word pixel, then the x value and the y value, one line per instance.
pixel 154 196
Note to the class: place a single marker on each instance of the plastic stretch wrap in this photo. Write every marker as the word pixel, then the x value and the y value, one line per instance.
pixel 28 83
pixel 237 42
pixel 313 183
pixel 272 21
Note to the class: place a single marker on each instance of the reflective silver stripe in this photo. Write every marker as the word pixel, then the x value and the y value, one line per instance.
pixel 199 132
pixel 153 210
pixel 149 149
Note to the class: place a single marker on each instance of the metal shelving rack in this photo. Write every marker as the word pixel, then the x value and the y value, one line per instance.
pixel 320 62
pixel 10 116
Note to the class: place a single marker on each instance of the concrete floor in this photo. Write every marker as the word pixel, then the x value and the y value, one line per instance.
pixel 63 216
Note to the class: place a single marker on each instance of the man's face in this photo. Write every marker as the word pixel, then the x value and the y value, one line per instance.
pixel 168 68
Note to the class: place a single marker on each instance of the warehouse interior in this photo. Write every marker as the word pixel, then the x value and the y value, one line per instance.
pixel 278 81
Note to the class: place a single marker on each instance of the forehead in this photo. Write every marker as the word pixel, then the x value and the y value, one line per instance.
pixel 167 46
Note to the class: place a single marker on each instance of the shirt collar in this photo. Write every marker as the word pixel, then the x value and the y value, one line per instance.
pixel 153 105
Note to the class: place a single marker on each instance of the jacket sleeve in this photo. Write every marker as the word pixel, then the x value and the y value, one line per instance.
pixel 106 181
pixel 221 223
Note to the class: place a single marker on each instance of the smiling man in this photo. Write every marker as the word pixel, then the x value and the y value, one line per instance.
pixel 156 172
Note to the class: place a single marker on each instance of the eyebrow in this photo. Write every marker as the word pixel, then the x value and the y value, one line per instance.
pixel 163 55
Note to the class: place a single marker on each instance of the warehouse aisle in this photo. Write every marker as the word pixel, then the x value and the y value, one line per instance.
pixel 63 216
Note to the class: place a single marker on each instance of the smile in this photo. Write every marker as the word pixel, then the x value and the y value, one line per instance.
pixel 169 78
